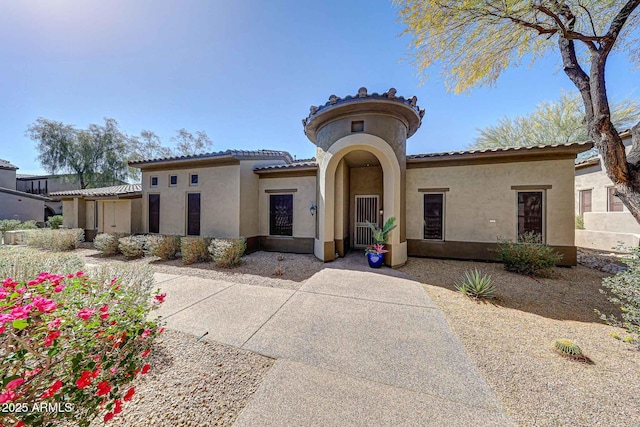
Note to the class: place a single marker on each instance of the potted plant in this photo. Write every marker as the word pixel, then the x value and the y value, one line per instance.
pixel 375 253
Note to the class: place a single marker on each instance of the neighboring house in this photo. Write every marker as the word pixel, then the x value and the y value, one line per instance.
pixel 16 204
pixel 607 222
pixel 116 209
pixel 451 205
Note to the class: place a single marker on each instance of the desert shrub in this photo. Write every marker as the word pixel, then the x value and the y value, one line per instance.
pixel 227 252
pixel 9 224
pixel 54 240
pixel 164 247
pixel 131 246
pixel 24 263
pixel 28 225
pixel 476 285
pixel 194 249
pixel 138 278
pixel 106 243
pixel 579 222
pixel 529 256
pixel 624 290
pixel 73 342
pixel 55 222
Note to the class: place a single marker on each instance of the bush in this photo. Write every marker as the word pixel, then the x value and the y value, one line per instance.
pixel 28 225
pixel 54 240
pixel 579 222
pixel 530 256
pixel 55 222
pixel 164 247
pixel 14 224
pixel 72 342
pixel 136 277
pixel 106 243
pixel 227 252
pixel 194 249
pixel 625 290
pixel 131 246
pixel 476 285
pixel 24 263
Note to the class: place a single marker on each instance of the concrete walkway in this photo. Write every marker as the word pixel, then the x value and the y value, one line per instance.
pixel 354 346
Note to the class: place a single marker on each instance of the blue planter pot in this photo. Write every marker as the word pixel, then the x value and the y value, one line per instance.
pixel 375 260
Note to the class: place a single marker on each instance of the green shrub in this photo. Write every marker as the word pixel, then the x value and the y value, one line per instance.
pixel 530 256
pixel 54 240
pixel 579 222
pixel 194 249
pixel 138 278
pixel 474 284
pixel 25 263
pixel 9 224
pixel 28 225
pixel 164 247
pixel 227 252
pixel 625 292
pixel 106 243
pixel 55 222
pixel 131 246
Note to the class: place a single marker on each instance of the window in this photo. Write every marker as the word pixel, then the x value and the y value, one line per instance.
pixel 433 216
pixel 154 213
pixel 154 181
pixel 614 203
pixel 95 215
pixel 193 179
pixel 281 214
pixel 530 213
pixel 585 201
pixel 193 214
pixel 173 180
pixel 357 126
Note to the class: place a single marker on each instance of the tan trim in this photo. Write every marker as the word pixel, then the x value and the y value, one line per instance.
pixel 340 247
pixel 297 245
pixel 487 158
pixel 287 173
pixel 187 164
pixel 531 187
pixel 287 190
pixel 329 251
pixel 432 190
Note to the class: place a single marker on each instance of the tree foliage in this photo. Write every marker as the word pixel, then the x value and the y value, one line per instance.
pixel 558 122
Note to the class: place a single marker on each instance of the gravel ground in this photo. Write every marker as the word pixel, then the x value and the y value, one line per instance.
pixel 192 384
pixel 257 268
pixel 511 342
pixel 609 262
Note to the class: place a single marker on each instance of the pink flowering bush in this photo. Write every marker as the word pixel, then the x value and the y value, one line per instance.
pixel 73 343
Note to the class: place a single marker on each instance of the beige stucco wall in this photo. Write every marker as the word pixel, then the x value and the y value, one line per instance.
pixel 136 216
pixel 8 179
pixel 90 211
pixel 114 216
pixel 74 213
pixel 249 196
pixel 480 205
pixel 595 179
pixel 341 220
pixel 219 187
pixel 21 208
pixel 303 198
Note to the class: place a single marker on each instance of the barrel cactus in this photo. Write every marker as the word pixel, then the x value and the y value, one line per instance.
pixel 568 348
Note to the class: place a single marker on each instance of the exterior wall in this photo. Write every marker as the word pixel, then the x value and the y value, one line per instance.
pixel 305 195
pixel 8 179
pixel 341 221
pixel 21 208
pixel 136 216
pixel 90 212
pixel 219 187
pixel 114 216
pixel 481 206
pixel 363 181
pixel 69 218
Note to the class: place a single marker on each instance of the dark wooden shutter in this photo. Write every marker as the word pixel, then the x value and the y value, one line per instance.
pixel 585 201
pixel 433 216
pixel 154 213
pixel 615 204
pixel 281 215
pixel 193 214
pixel 530 212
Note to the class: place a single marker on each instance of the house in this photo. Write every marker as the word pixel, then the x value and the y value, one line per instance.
pixel 16 204
pixel 607 222
pixel 115 209
pixel 453 205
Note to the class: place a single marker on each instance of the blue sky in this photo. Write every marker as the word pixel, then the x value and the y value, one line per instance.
pixel 244 71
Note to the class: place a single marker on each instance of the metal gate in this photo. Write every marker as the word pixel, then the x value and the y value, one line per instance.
pixel 366 211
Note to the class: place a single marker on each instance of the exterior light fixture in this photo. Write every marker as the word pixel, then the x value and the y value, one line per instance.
pixel 313 209
pixel 381 212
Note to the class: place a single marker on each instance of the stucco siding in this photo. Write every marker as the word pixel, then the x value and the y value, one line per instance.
pixel 90 212
pixel 481 206
pixel 69 219
pixel 8 179
pixel 136 216
pixel 303 198
pixel 249 196
pixel 116 216
pixel 21 208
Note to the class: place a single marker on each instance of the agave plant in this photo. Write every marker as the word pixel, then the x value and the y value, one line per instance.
pixel 474 284
pixel 380 235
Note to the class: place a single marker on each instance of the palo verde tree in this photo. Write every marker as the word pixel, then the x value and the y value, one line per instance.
pixel 556 122
pixel 474 41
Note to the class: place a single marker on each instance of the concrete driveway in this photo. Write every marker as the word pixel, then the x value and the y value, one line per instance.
pixel 353 347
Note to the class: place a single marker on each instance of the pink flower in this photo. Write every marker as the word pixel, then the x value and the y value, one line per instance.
pixel 104 316
pixel 146 368
pixel 44 305
pixel 8 396
pixel 59 288
pixel 145 353
pixel 9 283
pixel 80 274
pixel 146 333
pixel 161 330
pixel 35 371
pixel 53 335
pixel 118 407
pixel 3 293
pixel 160 298
pixel 70 276
pixel 2 329
pixel 103 388
pixel 6 318
pixel 33 282
pixel 86 313
pixel 113 370
pixel 108 417
pixel 21 312
pixel 14 383
pixel 51 391
pixel 55 324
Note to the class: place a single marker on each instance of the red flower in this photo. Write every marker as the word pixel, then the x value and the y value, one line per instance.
pixel 103 388
pixel 95 373
pixel 145 353
pixel 51 338
pixel 55 324
pixel 146 368
pixel 14 383
pixel 160 298
pixel 85 380
pixel 86 313
pixel 8 396
pixel 104 308
pixel 108 417
pixel 104 316
pixel 52 390
pixel 129 394
pixel 118 407
pixel 146 333
pixel 20 424
pixel 161 330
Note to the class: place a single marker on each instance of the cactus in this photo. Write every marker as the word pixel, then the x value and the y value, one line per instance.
pixel 568 348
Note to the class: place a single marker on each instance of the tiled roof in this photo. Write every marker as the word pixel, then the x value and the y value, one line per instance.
pixel 4 164
pixel 496 150
pixel 23 194
pixel 114 191
pixel 300 164
pixel 237 154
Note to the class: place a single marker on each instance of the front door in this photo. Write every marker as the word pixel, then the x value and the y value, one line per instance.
pixel 366 212
pixel 193 214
